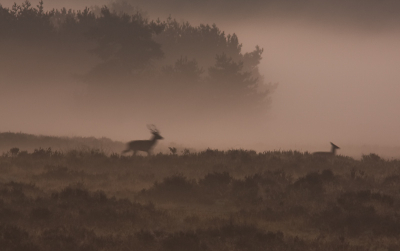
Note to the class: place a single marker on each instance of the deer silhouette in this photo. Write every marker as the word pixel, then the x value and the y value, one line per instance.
pixel 327 154
pixel 144 145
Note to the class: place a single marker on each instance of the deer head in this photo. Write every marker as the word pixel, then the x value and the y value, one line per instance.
pixel 154 131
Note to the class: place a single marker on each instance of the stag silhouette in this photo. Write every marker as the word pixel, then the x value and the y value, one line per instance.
pixel 144 145
pixel 327 154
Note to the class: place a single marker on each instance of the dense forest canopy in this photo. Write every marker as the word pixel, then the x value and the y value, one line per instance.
pixel 114 54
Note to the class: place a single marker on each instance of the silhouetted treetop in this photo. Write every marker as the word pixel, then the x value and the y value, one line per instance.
pixel 125 41
pixel 24 21
pixel 73 25
pixel 202 42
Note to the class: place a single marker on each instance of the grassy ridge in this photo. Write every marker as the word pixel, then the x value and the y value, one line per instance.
pixel 30 142
pixel 211 200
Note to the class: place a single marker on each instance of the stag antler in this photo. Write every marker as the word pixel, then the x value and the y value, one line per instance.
pixel 152 128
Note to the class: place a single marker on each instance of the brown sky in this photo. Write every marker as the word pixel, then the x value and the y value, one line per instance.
pixel 337 66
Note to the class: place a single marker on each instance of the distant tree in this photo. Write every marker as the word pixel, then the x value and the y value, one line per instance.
pixel 232 76
pixel 201 42
pixel 73 25
pixel 233 85
pixel 251 60
pixel 184 70
pixel 29 22
pixel 124 43
pixel 7 20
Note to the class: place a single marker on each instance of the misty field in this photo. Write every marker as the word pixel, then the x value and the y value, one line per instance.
pixel 209 200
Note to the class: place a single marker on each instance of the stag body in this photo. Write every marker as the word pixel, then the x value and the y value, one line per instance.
pixel 327 154
pixel 144 145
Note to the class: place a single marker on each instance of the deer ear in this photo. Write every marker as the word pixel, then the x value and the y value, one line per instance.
pixel 334 145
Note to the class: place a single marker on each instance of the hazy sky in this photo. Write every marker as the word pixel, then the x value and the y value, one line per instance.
pixel 337 65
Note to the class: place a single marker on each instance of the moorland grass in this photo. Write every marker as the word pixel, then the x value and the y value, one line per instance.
pixel 210 200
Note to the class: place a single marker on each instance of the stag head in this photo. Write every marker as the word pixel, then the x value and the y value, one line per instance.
pixel 154 131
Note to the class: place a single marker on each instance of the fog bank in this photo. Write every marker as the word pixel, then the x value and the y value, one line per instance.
pixel 336 65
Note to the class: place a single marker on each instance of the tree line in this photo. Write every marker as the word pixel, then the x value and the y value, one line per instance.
pixel 134 53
